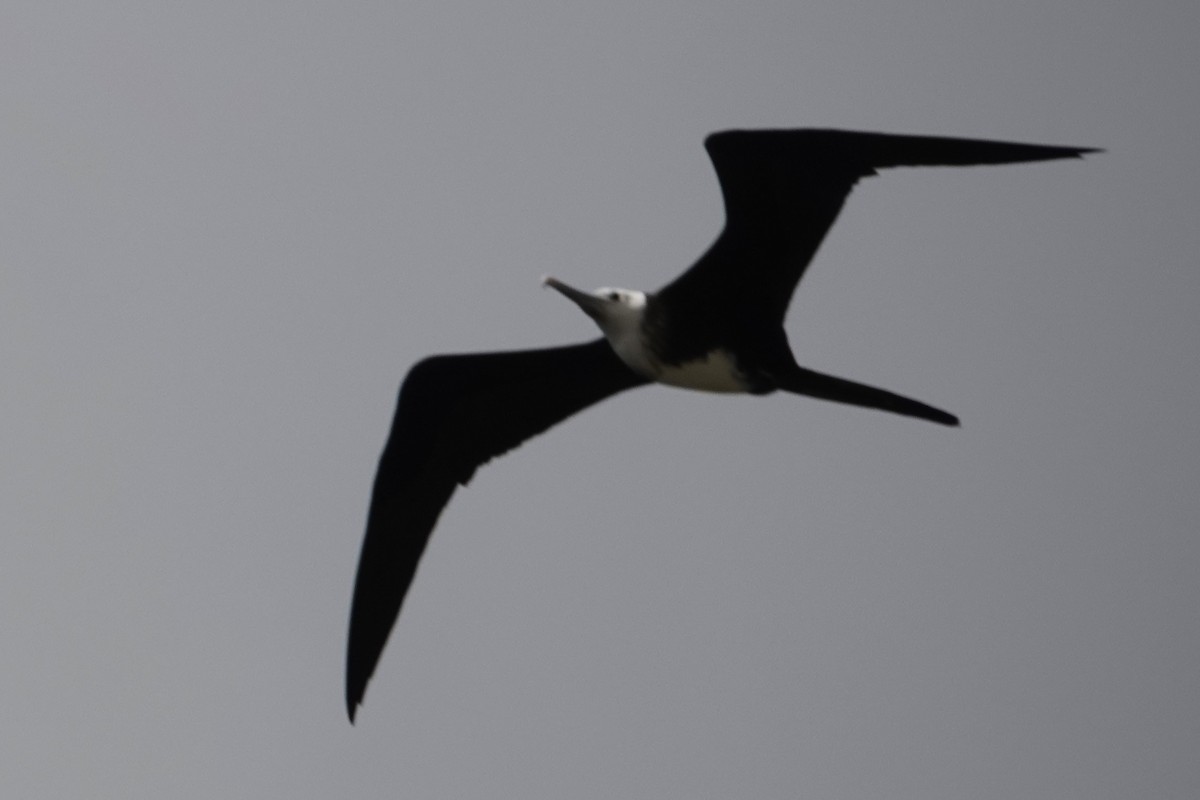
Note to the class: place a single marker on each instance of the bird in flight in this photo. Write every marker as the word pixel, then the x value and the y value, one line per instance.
pixel 717 327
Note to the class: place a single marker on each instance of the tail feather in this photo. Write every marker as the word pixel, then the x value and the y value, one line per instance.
pixel 839 390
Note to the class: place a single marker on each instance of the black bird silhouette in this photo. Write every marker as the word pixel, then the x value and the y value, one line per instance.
pixel 717 327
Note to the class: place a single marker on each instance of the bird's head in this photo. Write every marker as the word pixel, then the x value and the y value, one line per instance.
pixel 614 310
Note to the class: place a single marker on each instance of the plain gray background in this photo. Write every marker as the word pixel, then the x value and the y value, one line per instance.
pixel 228 229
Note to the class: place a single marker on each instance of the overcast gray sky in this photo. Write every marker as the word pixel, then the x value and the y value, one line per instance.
pixel 228 229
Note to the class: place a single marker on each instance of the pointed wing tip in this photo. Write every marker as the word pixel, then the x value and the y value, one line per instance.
pixel 939 417
pixel 356 686
pixel 871 140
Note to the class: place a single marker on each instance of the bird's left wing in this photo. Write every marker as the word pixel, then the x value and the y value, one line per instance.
pixel 454 414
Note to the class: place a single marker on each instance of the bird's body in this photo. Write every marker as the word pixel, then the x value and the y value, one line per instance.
pixel 717 327
pixel 627 324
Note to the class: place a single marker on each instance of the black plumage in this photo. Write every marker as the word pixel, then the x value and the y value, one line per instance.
pixel 782 190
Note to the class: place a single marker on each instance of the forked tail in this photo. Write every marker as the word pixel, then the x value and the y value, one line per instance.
pixel 839 390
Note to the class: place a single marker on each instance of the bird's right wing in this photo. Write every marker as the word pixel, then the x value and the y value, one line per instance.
pixel 783 189
pixel 454 414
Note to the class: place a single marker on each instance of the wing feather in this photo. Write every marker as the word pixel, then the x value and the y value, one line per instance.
pixel 454 414
pixel 783 189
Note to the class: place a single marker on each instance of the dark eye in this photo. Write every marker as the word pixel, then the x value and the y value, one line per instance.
pixel 614 296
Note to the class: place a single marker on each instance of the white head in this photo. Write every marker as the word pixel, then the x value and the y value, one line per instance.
pixel 618 312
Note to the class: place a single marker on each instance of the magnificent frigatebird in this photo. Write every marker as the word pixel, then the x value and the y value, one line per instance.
pixel 717 327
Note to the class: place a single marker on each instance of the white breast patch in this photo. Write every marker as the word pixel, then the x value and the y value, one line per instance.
pixel 716 372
